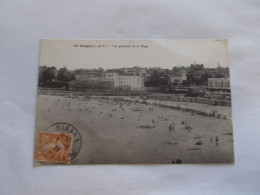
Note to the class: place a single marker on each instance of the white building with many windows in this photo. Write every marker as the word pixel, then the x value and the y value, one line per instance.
pixel 219 83
pixel 126 82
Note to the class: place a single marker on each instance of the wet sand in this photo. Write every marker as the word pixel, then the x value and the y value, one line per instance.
pixel 121 132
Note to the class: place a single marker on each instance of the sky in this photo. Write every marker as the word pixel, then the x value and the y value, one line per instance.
pixel 89 54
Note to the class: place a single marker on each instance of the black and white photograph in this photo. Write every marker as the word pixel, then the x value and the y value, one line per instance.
pixel 133 102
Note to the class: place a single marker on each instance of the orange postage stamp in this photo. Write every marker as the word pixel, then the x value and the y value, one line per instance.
pixel 56 145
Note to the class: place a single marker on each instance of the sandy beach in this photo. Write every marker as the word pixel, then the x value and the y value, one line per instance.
pixel 125 132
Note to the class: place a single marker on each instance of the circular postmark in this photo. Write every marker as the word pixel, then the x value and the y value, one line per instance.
pixel 60 143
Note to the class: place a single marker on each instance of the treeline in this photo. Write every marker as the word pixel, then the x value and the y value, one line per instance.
pixel 195 74
pixel 51 77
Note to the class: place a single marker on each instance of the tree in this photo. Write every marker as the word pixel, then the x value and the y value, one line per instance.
pixel 64 75
pixel 48 74
pixel 61 75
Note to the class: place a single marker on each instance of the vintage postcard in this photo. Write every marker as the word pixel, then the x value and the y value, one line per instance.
pixel 133 102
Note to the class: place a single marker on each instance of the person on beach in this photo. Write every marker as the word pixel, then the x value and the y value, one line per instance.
pixel 178 161
pixel 216 140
